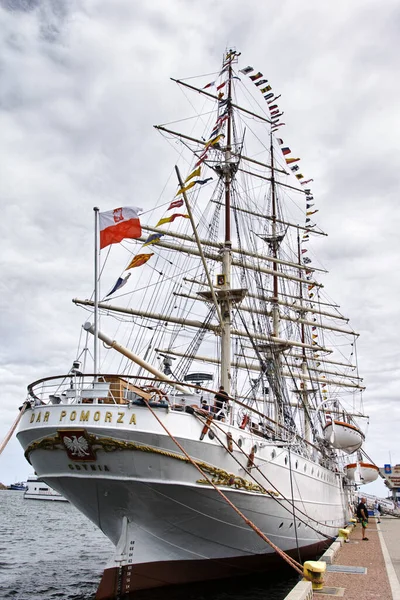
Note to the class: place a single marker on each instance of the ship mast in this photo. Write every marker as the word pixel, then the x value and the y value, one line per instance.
pixel 228 168
pixel 275 355
pixel 303 386
pixel 275 306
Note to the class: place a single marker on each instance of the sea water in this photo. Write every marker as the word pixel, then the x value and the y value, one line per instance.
pixel 50 551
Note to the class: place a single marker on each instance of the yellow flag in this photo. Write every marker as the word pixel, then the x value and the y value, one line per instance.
pixel 196 173
pixel 214 140
pixel 185 188
pixel 171 218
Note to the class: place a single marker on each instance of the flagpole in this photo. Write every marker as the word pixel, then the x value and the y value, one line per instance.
pixel 96 290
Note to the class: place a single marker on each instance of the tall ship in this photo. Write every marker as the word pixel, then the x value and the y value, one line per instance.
pixel 215 401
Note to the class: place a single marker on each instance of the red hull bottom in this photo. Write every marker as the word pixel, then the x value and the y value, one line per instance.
pixel 119 582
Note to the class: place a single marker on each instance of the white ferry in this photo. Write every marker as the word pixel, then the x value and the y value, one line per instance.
pixel 38 490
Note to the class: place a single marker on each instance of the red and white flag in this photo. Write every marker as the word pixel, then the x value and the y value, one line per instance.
pixel 118 224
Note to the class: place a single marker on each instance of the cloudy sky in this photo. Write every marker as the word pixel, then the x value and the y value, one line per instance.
pixel 82 83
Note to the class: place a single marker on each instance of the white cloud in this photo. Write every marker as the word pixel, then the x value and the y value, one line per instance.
pixel 82 83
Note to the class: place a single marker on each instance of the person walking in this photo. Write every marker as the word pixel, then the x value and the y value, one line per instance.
pixel 377 511
pixel 362 514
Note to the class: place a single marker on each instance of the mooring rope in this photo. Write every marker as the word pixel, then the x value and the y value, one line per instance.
pixel 269 482
pixel 12 428
pixel 291 561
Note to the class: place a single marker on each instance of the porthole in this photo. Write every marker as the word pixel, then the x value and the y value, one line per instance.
pixel 273 454
pixel 298 524
pixel 280 525
pixel 211 434
pixel 296 464
pixel 305 468
pixel 255 448
pixel 240 442
pixel 286 460
pixel 291 525
pixel 312 471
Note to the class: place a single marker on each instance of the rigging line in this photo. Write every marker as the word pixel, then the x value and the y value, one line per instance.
pixel 13 426
pixel 146 287
pixel 372 462
pixel 265 148
pixel 206 125
pixel 196 116
pixel 180 154
pixel 102 269
pixel 294 516
pixel 297 566
pixel 247 456
pixel 276 385
pixel 196 76
pixel 294 378
pixel 169 177
pixel 355 355
pixel 150 301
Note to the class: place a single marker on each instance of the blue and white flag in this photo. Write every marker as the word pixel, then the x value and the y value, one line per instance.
pixel 120 283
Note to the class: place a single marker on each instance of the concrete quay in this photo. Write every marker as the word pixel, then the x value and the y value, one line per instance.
pixel 376 562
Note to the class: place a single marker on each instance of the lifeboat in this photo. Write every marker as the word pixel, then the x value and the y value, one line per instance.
pixel 366 472
pixel 343 436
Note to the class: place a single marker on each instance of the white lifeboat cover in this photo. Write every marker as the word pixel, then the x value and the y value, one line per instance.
pixel 362 473
pixel 343 436
pixel 368 473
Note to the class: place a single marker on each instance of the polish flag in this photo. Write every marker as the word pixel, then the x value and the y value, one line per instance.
pixel 118 224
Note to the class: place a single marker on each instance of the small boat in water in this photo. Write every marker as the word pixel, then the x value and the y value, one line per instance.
pixel 38 490
pixel 20 486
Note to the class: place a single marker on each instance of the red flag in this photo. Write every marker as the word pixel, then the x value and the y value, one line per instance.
pixel 118 224
pixel 175 204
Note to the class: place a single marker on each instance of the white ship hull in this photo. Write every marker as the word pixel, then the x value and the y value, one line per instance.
pixel 140 491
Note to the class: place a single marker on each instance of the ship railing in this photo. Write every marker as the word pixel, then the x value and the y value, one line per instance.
pixel 115 389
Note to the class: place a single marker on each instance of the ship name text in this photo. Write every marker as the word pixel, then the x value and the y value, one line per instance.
pixel 86 416
pixel 86 467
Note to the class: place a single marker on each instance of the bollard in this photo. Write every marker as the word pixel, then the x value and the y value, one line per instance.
pixel 344 533
pixel 314 571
